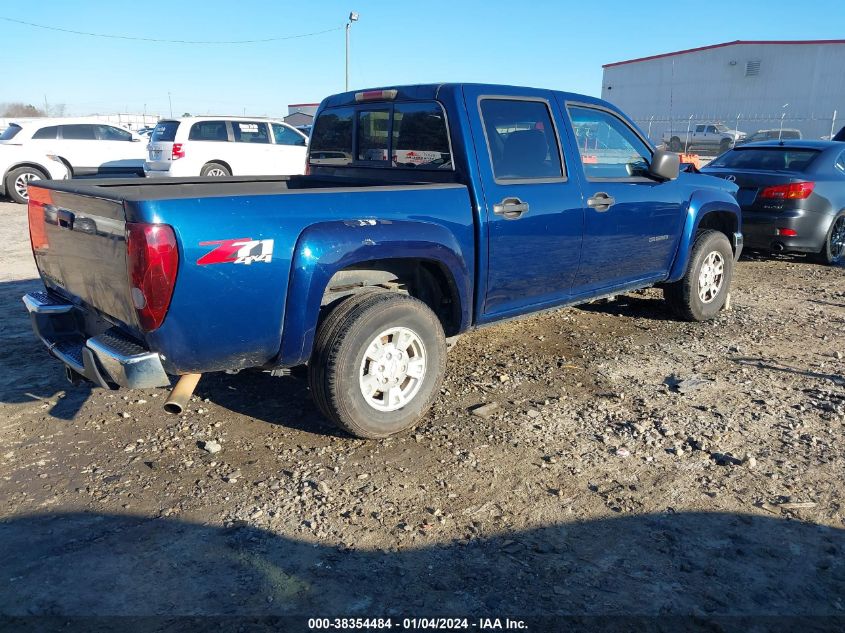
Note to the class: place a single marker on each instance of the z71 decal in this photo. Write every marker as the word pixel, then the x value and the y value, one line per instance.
pixel 241 251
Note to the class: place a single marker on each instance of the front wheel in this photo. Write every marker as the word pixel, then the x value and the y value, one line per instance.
pixel 675 144
pixel 833 250
pixel 378 363
pixel 18 180
pixel 704 288
pixel 725 145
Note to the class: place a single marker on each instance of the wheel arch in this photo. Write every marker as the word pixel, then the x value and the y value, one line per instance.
pixel 217 161
pixel 334 259
pixel 707 210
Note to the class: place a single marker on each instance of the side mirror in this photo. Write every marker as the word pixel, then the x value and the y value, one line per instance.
pixel 665 165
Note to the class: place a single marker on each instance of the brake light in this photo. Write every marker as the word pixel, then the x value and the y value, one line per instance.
pixel 792 191
pixel 152 262
pixel 376 95
pixel 177 152
pixel 35 208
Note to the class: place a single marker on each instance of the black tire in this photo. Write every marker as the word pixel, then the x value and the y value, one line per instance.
pixel 215 167
pixel 12 182
pixel 338 360
pixel 683 295
pixel 725 145
pixel 675 144
pixel 833 250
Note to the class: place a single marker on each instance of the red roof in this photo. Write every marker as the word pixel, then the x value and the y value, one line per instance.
pixel 735 42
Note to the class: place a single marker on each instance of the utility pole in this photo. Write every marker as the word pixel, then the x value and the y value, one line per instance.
pixel 171 104
pixel 353 17
pixel 46 107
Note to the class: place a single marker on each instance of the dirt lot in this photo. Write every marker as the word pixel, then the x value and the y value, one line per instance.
pixel 632 464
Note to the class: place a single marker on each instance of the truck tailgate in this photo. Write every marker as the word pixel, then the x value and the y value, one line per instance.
pixel 79 244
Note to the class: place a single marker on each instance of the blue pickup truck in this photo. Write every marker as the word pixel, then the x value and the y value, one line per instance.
pixel 425 211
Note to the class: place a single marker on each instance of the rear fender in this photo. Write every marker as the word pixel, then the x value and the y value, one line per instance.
pixel 702 203
pixel 326 248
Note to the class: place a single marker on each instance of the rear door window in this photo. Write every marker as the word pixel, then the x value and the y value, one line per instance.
pixel 521 139
pixel 165 132
pixel 208 131
pixel 81 132
pixel 10 132
pixel 331 138
pixel 47 133
pixel 250 132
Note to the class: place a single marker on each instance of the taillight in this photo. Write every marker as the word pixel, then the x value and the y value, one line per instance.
pixel 38 200
pixel 792 191
pixel 787 232
pixel 177 152
pixel 152 260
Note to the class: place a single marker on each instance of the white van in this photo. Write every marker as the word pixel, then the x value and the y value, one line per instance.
pixel 225 146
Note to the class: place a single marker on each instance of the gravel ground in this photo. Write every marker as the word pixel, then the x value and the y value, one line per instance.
pixel 594 461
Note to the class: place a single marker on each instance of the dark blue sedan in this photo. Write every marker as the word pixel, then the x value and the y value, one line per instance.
pixel 792 195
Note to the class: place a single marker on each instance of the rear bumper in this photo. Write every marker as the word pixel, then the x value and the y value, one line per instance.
pixel 108 359
pixel 761 230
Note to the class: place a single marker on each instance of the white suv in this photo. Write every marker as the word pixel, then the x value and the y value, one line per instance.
pixel 87 147
pixel 19 166
pixel 225 146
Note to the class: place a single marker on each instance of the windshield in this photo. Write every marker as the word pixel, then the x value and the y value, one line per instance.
pixel 767 158
pixel 10 132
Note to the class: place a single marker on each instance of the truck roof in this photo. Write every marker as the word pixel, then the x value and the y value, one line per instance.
pixel 420 92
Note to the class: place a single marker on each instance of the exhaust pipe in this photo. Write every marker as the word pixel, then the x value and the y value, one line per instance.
pixel 178 399
pixel 778 247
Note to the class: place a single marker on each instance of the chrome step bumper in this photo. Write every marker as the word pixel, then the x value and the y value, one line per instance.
pixel 107 359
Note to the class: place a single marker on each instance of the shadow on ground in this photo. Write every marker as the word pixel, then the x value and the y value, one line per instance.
pixel 653 565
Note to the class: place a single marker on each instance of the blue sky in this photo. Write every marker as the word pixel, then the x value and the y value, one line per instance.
pixel 541 43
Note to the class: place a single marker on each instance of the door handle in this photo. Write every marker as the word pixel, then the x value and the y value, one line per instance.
pixel 65 219
pixel 511 208
pixel 601 202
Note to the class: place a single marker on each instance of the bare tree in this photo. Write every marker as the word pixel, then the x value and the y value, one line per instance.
pixel 20 110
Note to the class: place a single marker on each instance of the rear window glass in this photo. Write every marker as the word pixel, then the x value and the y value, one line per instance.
pixel 766 158
pixel 373 127
pixel 331 138
pixel 9 133
pixel 50 132
pixel 207 131
pixel 250 132
pixel 420 138
pixel 404 135
pixel 165 131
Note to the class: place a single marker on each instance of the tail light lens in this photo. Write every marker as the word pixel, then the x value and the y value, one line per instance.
pixel 787 232
pixel 177 152
pixel 38 200
pixel 153 260
pixel 792 191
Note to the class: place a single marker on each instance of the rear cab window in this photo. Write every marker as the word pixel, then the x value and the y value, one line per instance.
pixel 164 132
pixel 767 158
pixel 402 135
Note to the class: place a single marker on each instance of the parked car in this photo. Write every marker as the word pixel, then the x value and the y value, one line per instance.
pixel 713 137
pixel 86 147
pixel 362 269
pixel 145 132
pixel 20 166
pixel 225 146
pixel 839 136
pixel 792 195
pixel 777 134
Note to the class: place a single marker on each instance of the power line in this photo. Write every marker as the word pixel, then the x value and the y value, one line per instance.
pixel 160 41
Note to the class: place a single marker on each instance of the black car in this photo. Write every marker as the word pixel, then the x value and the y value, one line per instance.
pixel 792 195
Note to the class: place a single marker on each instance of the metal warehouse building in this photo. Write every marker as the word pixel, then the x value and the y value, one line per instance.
pixel 747 85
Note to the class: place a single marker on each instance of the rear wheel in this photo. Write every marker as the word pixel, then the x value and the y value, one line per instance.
pixel 833 251
pixel 724 145
pixel 215 170
pixel 18 180
pixel 378 362
pixel 704 288
pixel 675 144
